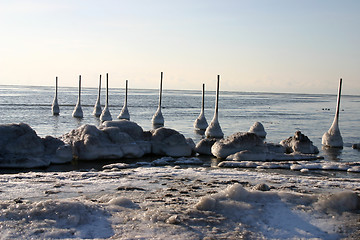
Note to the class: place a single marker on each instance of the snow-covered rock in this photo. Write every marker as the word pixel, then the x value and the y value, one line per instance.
pixel 90 143
pixel 258 129
pixel 169 142
pixel 238 142
pixel 299 143
pixel 21 147
pixel 204 146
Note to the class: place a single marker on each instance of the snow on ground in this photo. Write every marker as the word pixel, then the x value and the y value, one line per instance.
pixel 173 202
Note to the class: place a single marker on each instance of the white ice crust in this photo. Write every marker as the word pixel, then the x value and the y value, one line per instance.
pixel 214 129
pixel 124 114
pixel 106 115
pixel 200 122
pixel 258 129
pixel 158 119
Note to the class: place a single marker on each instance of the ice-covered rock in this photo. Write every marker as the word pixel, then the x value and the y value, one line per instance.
pixel 204 146
pixel 169 142
pixel 56 150
pixel 258 129
pixel 299 143
pixel 21 147
pixel 133 130
pixel 247 155
pixel 90 143
pixel 238 142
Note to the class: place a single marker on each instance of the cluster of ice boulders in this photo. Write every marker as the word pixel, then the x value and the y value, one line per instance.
pixel 21 147
pixel 125 139
pixel 250 146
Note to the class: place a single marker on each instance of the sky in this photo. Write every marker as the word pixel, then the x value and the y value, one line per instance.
pixel 255 46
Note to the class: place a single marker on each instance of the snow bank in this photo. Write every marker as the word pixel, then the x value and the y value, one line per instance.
pixel 51 219
pixel 21 147
pixel 279 215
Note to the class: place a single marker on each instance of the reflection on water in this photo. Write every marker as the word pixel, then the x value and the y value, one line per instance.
pixel 332 153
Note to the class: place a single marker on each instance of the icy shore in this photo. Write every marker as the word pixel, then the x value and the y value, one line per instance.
pixel 173 202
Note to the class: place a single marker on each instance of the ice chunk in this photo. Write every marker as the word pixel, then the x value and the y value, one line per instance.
pixel 340 202
pixel 299 143
pixel 204 146
pixel 20 147
pixel 90 143
pixel 247 155
pixel 258 129
pixel 169 142
pixel 236 143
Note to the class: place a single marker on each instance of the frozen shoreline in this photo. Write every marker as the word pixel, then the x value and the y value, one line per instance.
pixel 176 202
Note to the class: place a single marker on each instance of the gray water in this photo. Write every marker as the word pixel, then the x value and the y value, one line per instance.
pixel 281 113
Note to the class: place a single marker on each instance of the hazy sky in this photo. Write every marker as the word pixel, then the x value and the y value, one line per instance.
pixel 274 46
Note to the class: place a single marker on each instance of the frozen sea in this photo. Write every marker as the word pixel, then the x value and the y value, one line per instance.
pixel 133 199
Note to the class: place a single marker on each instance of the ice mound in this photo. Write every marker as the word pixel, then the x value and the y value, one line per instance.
pixel 200 122
pixel 247 155
pixel 340 202
pixel 169 142
pixel 21 147
pixel 91 143
pixel 214 129
pixel 123 202
pixel 53 219
pixel 238 142
pixel 299 143
pixel 125 139
pixel 258 129
pixel 204 146
pixel 158 119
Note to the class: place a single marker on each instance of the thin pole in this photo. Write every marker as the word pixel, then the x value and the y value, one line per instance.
pixel 79 87
pixel 107 89
pixel 338 99
pixel 160 93
pixel 126 91
pixel 203 98
pixel 217 95
pixel 56 87
pixel 99 86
